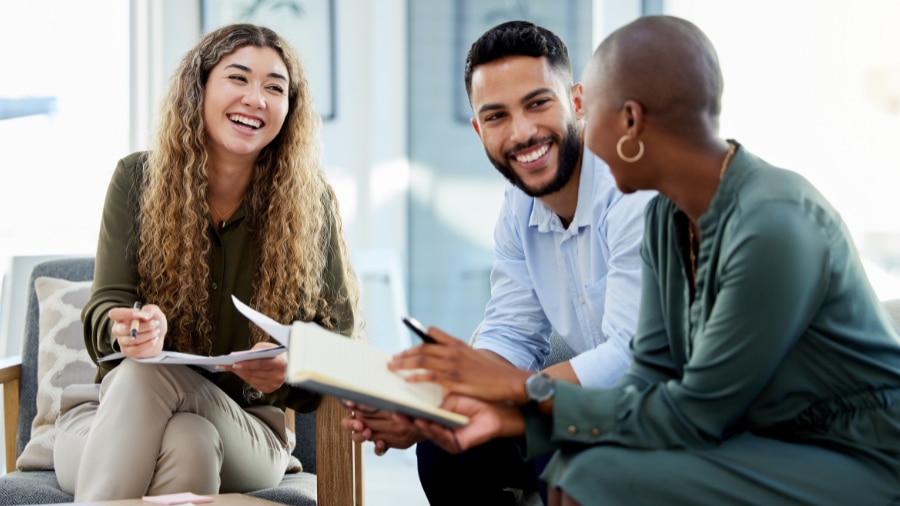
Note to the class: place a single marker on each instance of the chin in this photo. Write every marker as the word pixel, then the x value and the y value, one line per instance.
pixel 624 188
pixel 537 186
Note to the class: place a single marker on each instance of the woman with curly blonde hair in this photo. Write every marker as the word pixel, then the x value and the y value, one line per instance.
pixel 230 201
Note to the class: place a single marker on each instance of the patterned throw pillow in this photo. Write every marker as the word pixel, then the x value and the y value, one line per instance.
pixel 62 360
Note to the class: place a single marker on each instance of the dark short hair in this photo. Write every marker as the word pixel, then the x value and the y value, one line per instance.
pixel 518 38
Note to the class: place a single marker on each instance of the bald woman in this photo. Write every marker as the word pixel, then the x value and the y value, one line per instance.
pixel 765 370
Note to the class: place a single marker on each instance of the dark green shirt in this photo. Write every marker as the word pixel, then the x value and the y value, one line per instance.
pixel 232 266
pixel 782 326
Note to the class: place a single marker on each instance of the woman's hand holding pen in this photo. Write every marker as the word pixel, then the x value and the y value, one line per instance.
pixel 263 374
pixel 151 326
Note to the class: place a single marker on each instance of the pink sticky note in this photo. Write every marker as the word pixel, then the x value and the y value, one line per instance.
pixel 182 498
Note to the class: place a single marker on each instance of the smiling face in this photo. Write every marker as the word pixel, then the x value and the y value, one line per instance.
pixel 245 103
pixel 527 121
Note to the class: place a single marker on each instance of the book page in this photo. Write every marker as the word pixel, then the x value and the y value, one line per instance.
pixel 279 332
pixel 352 369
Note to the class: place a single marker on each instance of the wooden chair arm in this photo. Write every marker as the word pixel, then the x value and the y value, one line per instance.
pixel 10 374
pixel 338 458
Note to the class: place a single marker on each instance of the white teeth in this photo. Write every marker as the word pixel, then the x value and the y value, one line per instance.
pixel 534 155
pixel 245 121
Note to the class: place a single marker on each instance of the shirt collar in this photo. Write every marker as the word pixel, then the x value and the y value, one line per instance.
pixel 734 176
pixel 546 220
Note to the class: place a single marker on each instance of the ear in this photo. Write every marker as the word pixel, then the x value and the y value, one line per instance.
pixel 577 95
pixel 633 118
pixel 476 126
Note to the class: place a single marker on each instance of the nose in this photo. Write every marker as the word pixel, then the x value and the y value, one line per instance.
pixel 253 97
pixel 522 129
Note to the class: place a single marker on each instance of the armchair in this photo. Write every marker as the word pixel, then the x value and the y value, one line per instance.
pixel 332 455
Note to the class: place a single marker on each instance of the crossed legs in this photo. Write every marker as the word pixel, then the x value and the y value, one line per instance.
pixel 164 429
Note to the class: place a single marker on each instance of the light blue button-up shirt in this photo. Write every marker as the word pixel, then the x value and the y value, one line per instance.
pixel 583 281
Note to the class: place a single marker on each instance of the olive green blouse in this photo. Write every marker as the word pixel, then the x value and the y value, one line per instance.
pixel 232 266
pixel 782 329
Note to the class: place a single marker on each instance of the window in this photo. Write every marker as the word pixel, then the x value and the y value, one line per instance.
pixel 63 121
pixel 808 87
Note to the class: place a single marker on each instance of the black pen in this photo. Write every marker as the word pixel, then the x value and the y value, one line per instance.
pixel 417 327
pixel 136 323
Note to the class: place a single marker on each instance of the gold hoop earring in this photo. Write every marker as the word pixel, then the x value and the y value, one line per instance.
pixel 631 159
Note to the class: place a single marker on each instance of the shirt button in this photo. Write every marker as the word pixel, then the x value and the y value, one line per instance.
pixel 215 286
pixel 581 299
pixel 595 432
pixel 572 430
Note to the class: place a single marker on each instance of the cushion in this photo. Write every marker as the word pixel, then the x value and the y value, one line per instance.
pixel 62 360
pixel 893 308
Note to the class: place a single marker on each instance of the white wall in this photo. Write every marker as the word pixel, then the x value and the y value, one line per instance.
pixel 366 144
pixel 161 31
pixel 366 158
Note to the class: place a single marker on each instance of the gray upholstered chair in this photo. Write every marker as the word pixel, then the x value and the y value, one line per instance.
pixel 322 446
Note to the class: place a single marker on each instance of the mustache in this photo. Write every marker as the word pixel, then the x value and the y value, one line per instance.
pixel 534 141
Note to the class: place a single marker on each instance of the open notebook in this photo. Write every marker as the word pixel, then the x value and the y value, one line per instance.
pixel 331 364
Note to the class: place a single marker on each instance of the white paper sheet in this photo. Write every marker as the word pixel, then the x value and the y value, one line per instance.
pixel 281 333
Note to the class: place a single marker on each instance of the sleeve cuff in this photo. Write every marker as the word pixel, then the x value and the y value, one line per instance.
pixel 538 429
pixel 583 415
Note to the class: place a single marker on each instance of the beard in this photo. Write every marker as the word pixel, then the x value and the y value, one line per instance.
pixel 569 153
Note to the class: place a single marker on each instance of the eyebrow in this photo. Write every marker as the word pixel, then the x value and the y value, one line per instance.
pixel 526 98
pixel 238 66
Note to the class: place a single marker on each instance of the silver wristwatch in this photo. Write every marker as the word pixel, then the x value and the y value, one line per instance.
pixel 539 387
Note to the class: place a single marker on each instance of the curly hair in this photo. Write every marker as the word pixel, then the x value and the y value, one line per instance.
pixel 291 208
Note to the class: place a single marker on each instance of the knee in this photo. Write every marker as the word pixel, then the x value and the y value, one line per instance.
pixel 630 472
pixel 190 457
pixel 191 437
pixel 130 375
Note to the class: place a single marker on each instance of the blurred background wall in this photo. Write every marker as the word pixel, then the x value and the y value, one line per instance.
pixel 813 86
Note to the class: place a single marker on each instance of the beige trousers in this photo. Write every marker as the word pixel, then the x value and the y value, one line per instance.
pixel 160 429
